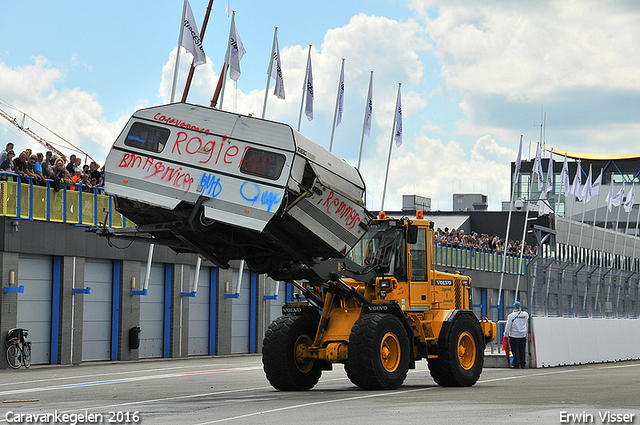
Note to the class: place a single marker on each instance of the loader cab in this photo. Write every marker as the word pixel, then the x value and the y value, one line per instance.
pixel 383 248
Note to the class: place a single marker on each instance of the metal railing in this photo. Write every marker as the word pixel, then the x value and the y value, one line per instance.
pixel 449 255
pixel 73 205
pixel 573 289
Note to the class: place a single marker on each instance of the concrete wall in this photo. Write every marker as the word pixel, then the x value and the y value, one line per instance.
pixel 557 341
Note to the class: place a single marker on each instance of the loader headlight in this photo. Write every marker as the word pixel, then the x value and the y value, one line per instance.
pixel 385 284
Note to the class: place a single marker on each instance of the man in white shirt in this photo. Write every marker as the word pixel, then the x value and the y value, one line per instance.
pixel 516 331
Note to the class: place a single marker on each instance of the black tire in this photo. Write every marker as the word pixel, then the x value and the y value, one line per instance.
pixel 460 353
pixel 378 352
pixel 283 340
pixel 14 356
pixel 26 354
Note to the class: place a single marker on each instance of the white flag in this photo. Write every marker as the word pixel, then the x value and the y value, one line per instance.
pixel 236 51
pixel 587 186
pixel 549 182
pixel 518 163
pixel 594 188
pixel 276 71
pixel 369 113
pixel 537 169
pixel 628 203
pixel 616 199
pixel 308 109
pixel 340 96
pixel 564 176
pixel 191 38
pixel 398 133
pixel 576 188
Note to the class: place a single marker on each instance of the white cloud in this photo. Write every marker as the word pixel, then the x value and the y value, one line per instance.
pixel 526 51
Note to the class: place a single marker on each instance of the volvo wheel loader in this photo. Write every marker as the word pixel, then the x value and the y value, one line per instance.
pixel 378 311
pixel 227 186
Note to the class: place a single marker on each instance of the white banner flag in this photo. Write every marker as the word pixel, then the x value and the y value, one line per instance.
pixel 236 51
pixel 340 96
pixel 594 188
pixel 564 176
pixel 537 169
pixel 516 175
pixel 628 203
pixel 576 188
pixel 191 38
pixel 369 113
pixel 549 182
pixel 308 109
pixel 587 186
pixel 276 71
pixel 398 133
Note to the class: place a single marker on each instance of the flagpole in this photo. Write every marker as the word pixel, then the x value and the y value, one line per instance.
pixel 335 113
pixel 524 230
pixel 393 132
pixel 266 90
pixel 578 171
pixel 304 87
pixel 595 214
pixel 367 108
pixel 624 250
pixel 192 69
pixel 585 195
pixel 177 66
pixel 516 177
pixel 226 60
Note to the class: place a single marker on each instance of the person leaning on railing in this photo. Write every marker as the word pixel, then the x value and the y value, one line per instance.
pixel 7 165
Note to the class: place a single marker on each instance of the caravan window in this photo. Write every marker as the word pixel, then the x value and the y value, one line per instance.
pixel 147 137
pixel 257 162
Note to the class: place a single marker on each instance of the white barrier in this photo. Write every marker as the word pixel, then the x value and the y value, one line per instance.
pixel 557 341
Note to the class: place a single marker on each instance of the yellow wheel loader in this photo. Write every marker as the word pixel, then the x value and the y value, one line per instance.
pixel 377 312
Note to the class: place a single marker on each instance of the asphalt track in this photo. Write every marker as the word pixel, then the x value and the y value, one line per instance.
pixel 233 390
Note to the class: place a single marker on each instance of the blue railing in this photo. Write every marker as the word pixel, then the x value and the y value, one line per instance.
pixel 449 255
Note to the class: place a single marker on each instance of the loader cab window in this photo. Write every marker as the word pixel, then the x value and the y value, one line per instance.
pixel 147 137
pixel 383 248
pixel 419 257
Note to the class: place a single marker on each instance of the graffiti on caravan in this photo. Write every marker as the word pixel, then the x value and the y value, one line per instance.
pixel 157 170
pixel 179 123
pixel 251 192
pixel 222 152
pixel 336 207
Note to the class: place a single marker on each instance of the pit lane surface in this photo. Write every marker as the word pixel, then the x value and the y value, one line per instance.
pixel 233 390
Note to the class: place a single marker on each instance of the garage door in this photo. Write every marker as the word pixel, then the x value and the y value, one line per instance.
pixel 96 330
pixel 240 315
pixel 152 313
pixel 199 313
pixel 34 305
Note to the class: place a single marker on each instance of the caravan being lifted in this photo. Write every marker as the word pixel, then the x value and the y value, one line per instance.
pixel 230 187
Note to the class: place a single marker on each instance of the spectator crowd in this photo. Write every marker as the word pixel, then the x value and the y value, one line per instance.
pixel 481 242
pixel 43 169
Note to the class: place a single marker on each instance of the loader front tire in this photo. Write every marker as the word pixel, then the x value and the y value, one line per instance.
pixel 284 342
pixel 378 352
pixel 460 353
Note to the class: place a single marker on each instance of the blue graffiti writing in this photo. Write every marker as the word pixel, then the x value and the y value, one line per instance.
pixel 251 192
pixel 212 184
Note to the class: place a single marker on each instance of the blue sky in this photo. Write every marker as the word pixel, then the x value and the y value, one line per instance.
pixel 475 76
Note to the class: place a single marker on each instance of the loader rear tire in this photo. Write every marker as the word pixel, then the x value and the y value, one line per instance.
pixel 283 343
pixel 460 353
pixel 378 352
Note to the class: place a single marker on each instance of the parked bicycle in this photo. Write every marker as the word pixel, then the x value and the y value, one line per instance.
pixel 18 350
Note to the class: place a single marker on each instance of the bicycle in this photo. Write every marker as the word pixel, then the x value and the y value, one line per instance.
pixel 18 350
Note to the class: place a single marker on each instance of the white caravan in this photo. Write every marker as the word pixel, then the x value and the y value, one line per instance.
pixel 230 186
